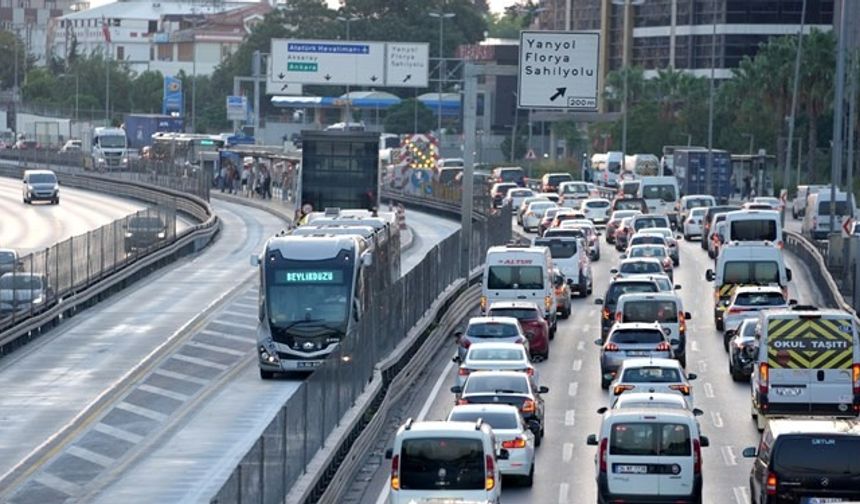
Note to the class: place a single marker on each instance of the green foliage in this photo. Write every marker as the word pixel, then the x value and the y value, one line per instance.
pixel 400 118
pixel 521 146
pixel 10 46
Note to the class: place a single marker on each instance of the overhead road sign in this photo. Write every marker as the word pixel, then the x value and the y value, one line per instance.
pixel 407 65
pixel 276 85
pixel 329 62
pixel 237 108
pixel 558 70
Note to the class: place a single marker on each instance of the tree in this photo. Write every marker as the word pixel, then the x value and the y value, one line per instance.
pixel 521 146
pixel 10 47
pixel 401 118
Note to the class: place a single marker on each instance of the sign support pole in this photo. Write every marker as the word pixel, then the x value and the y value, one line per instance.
pixel 470 118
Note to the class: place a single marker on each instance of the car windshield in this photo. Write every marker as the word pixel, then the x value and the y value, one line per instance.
pixel 496 384
pixel 646 251
pixel 540 207
pixel 597 204
pixel 441 463
pixel 43 178
pixel 504 188
pixel 636 336
pixel 575 188
pixel 640 267
pixel 515 277
pixel 648 240
pixel 698 212
pixel 628 204
pixel 665 192
pixel 619 288
pixel 760 299
pixel 492 330
pixel 145 222
pixel 112 141
pixel 517 313
pixel 748 272
pixel 557 179
pixel 664 284
pixel 20 282
pixel 558 249
pixel 817 455
pixel 496 420
pixel 698 202
pixel 650 439
pixel 495 354
pixel 651 374
pixel 6 257
pixel 621 214
pixel 753 230
pixel 650 310
pixel 519 193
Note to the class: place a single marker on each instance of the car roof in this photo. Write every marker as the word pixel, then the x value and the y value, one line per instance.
pixel 632 279
pixel 497 320
pixel 623 326
pixel 489 408
pixel 441 427
pixel 39 172
pixel 509 374
pixel 591 200
pixel 656 296
pixel 697 196
pixel 512 304
pixel 640 259
pixel 639 362
pixel 660 397
pixel 659 231
pixel 492 345
pixel 779 427
pixel 758 288
pixel 634 414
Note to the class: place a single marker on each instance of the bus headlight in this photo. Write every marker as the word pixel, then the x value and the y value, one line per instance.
pixel 268 356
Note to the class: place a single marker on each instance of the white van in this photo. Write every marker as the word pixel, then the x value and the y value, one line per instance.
pixel 662 307
pixel 808 364
pixel 757 226
pixel 519 273
pixel 443 462
pixel 661 194
pixel 798 204
pixel 692 201
pixel 816 221
pixel 606 168
pixel 570 256
pixel 649 455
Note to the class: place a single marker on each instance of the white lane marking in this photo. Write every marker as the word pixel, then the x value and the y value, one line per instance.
pixel 383 495
pixel 563 493
pixel 694 346
pixel 216 348
pixel 742 495
pixel 580 346
pixel 234 324
pixel 244 315
pixel 567 452
pixel 199 362
pixel 163 392
pixel 703 366
pixel 577 365
pixel 118 433
pixel 232 337
pixel 90 456
pixel 59 484
pixel 729 456
pixel 572 389
pixel 144 412
pixel 709 390
pixel 180 376
pixel 570 418
pixel 245 305
pixel 717 419
pixel 592 312
pixel 586 328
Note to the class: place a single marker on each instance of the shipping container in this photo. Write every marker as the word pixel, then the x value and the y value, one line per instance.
pixel 691 169
pixel 140 128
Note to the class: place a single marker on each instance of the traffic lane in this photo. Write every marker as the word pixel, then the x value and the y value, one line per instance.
pixel 91 353
pixel 427 231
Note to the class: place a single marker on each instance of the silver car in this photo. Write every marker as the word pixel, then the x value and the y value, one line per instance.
pixel 22 292
pixel 494 357
pixel 534 213
pixel 635 339
pixel 41 185
pixel 490 329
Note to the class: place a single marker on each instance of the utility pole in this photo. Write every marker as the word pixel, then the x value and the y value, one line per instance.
pixel 442 16
pixel 794 97
pixel 514 132
pixel 838 112
pixel 347 20
pixel 193 68
pixel 255 69
pixel 852 99
pixel 710 170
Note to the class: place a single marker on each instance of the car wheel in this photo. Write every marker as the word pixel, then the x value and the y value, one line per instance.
pixel 738 377
pixel 760 422
pixel 727 337
pixel 688 237
pixel 604 383
pixel 552 332
pixel 529 480
pixel 57 201
pixel 538 439
pixel 266 375
pixel 566 312
pixel 703 243
pixel 719 324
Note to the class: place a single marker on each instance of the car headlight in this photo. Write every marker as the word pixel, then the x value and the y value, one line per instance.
pixel 124 160
pixel 161 235
pixel 39 300
pixel 129 234
pixel 29 187
pixel 101 160
pixel 56 187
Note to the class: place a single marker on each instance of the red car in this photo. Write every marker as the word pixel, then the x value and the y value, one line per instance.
pixel 615 221
pixel 623 233
pixel 532 321
pixel 547 220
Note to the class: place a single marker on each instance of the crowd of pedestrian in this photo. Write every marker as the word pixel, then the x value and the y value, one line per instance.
pixel 256 179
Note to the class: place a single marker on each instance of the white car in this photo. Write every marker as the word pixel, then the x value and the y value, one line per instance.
pixel 649 400
pixel 748 301
pixel 534 213
pixel 591 235
pixel 773 203
pixel 660 252
pixel 648 455
pixel 511 433
pixel 525 204
pixel 597 210
pixel 693 224
pixel 652 375
pixel 692 201
pixel 494 357
pixel 516 196
pixel 573 193
pixel 638 266
pixel 671 242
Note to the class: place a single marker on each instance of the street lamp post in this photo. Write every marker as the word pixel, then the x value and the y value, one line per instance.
pixel 442 17
pixel 347 20
pixel 625 67
pixel 709 173
pixel 794 96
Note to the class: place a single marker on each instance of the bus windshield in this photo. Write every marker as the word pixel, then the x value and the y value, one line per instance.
pixel 309 293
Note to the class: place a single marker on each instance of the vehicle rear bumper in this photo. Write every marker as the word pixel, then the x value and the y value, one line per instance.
pixel 605 497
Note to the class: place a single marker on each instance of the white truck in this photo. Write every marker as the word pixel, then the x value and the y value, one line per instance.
pixel 109 149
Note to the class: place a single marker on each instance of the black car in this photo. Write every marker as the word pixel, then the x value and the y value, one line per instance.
pixel 507 387
pixel 617 287
pixel 800 462
pixel 143 231
pixel 743 350
pixel 706 220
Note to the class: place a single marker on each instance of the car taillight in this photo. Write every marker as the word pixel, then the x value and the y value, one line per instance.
pixel 734 309
pixel 618 316
pixel 547 302
pixel 483 303
pixel 780 244
pixel 621 388
pixel 684 389
pixel 606 313
pixel 697 456
pixel 763 377
pixel 395 472
pixel 528 371
pixel 528 406
pixel 772 483
pixel 601 454
pixel 663 346
pixel 464 371
pixel 855 374
pixel 462 401
pixel 465 342
pixel 490 480
pixel 520 340
pixel 682 322
pixel 518 442
pixel 667 264
pixel 610 347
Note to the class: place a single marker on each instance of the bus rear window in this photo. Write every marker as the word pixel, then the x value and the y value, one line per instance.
pixel 753 230
pixel 442 464
pixel 515 277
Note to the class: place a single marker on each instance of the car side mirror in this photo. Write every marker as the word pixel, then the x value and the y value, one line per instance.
pixel 788 274
pixel 667 331
pixel 456 389
pixel 543 389
pixel 389 453
pixel 456 359
pixel 598 342
pixel 692 376
pixel 613 271
pixel 458 334
pixel 674 342
pixel 709 275
pixel 367 259
pixel 598 301
pixel 688 316
pixel 255 259
pixel 602 410
pixel 591 440
pixel 623 256
pixel 677 286
pixel 704 442
pixel 750 452
pixel 792 302
pixel 503 454
pixel 698 412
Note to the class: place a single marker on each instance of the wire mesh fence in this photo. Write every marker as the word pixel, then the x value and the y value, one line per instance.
pixel 35 282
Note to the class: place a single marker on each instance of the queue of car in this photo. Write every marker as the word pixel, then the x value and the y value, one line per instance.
pixel 800 361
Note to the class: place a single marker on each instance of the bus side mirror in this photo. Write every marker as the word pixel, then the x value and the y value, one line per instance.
pixel 591 440
pixel 255 260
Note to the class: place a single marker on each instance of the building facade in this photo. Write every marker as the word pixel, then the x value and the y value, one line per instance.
pixel 30 21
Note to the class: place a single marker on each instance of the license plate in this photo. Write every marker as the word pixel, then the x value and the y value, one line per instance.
pixel 309 364
pixel 820 500
pixel 637 353
pixel 788 392
pixel 631 469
